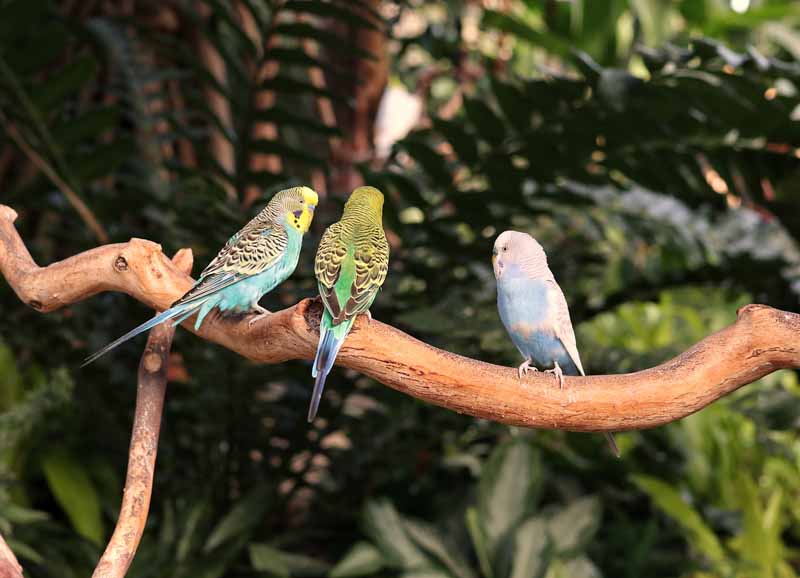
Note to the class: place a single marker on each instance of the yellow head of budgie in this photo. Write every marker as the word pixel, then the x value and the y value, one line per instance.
pixel 298 205
pixel 362 198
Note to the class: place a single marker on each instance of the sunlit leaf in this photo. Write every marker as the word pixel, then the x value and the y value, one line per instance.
pixel 574 526
pixel 75 493
pixel 245 514
pixel 531 549
pixel 508 488
pixel 362 559
pixel 386 528
pixel 669 500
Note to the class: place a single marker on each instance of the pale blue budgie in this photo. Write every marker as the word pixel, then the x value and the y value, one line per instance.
pixel 534 310
pixel 253 262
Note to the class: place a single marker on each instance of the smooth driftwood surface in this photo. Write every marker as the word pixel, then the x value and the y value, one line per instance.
pixel 761 341
pixel 152 387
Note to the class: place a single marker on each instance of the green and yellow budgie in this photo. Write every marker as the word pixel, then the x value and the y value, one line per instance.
pixel 252 263
pixel 351 265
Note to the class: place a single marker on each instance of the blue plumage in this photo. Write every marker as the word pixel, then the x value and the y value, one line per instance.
pixel 534 310
pixel 525 310
pixel 331 339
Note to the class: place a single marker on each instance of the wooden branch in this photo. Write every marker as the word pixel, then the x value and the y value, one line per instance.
pixel 118 556
pixel 9 566
pixel 763 340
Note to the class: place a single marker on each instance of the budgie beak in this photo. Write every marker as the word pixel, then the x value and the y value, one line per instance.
pixel 301 218
pixel 306 218
pixel 497 265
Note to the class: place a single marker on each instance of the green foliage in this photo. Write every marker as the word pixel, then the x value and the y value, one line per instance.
pixel 509 481
pixel 510 536
pixel 75 493
pixel 698 533
pixel 29 414
pixel 194 542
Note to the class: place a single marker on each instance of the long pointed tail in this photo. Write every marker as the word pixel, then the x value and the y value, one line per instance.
pixel 612 443
pixel 329 344
pixel 160 318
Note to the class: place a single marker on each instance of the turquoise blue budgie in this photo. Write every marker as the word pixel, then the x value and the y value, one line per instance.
pixel 534 310
pixel 351 265
pixel 253 262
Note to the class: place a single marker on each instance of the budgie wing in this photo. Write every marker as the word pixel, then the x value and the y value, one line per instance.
pixel 563 324
pixel 251 251
pixel 328 265
pixel 370 259
pixel 372 264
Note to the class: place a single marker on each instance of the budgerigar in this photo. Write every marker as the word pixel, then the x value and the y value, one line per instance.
pixel 534 310
pixel 351 265
pixel 253 262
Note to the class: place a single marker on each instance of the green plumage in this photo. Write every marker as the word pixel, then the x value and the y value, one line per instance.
pixel 351 265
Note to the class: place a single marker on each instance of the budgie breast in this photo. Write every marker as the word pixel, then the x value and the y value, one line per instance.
pixel 527 313
pixel 522 302
pixel 245 294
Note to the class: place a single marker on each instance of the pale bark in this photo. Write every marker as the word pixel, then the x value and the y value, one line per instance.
pixel 152 387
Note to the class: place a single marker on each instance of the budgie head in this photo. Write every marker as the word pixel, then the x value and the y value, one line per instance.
pixel 294 206
pixel 515 251
pixel 367 199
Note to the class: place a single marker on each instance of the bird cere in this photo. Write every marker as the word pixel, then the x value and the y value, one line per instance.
pixel 350 266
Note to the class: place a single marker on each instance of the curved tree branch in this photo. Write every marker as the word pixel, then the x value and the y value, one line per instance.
pixel 117 558
pixel 763 340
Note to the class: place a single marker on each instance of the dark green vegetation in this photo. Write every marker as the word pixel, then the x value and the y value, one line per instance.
pixel 661 179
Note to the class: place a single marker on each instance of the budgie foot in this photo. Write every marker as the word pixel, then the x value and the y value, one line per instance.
pixel 369 317
pixel 525 368
pixel 558 373
pixel 260 313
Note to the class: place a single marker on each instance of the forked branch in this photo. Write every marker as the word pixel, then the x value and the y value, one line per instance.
pixel 762 340
pixel 142 453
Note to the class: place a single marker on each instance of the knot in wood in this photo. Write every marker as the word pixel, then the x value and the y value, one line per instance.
pixel 36 304
pixel 121 264
pixel 152 362
pixel 310 310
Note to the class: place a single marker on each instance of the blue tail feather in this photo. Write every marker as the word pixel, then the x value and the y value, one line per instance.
pixel 327 351
pixel 322 334
pixel 160 318
pixel 186 314
pixel 205 308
